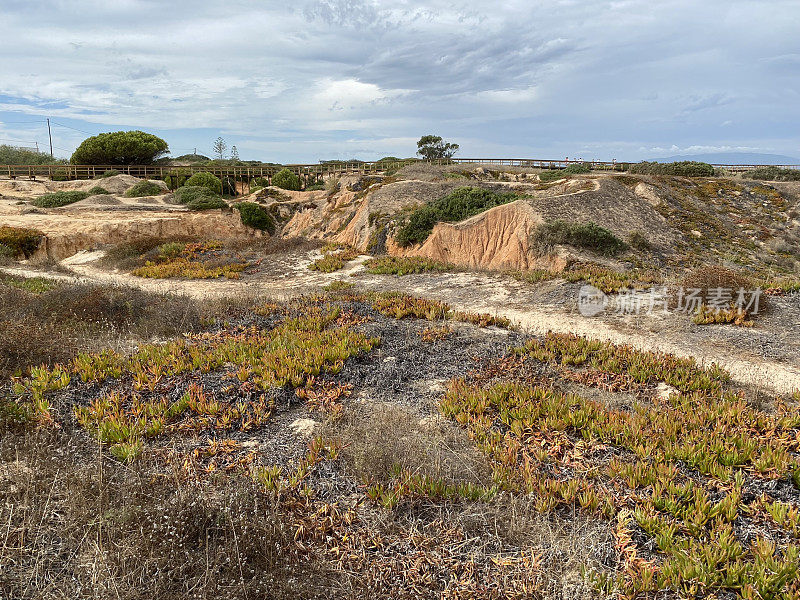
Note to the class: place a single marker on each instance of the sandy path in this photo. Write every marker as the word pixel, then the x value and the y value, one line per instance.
pixel 474 292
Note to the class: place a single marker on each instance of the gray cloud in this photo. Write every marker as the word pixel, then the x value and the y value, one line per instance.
pixel 336 77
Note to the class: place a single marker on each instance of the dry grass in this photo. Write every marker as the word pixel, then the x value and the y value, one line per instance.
pixel 46 323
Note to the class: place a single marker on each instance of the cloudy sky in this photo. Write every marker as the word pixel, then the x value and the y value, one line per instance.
pixel 625 79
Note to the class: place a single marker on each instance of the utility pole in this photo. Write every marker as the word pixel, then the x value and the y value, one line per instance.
pixel 50 135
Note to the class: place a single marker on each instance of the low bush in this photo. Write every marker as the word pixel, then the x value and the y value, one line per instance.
pixel 192 193
pixel 638 241
pixel 143 188
pixel 258 183
pixel 286 180
pixel 577 169
pixel 206 180
pixel 98 189
pixel 256 216
pixel 774 174
pixel 206 203
pixel 712 293
pixel 176 179
pixel 57 199
pixel 580 235
pixel 460 204
pixel 59 175
pixel 20 241
pixel 108 173
pixel 686 168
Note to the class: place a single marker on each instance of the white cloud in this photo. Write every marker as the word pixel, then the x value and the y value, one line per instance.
pixel 332 76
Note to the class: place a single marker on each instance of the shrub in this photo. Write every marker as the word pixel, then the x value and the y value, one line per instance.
pixel 206 203
pixel 638 241
pixel 108 173
pixel 59 175
pixel 256 217
pixel 315 187
pixel 461 204
pixel 686 168
pixel 714 282
pixel 191 193
pixel 143 188
pixel 774 174
pixel 577 169
pixel 257 183
pixel 580 235
pixel 286 180
pixel 11 155
pixel 206 180
pixel 98 190
pixel 57 199
pixel 20 241
pixel 176 179
pixel 120 148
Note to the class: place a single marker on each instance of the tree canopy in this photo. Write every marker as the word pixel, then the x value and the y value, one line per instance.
pixel 432 146
pixel 120 148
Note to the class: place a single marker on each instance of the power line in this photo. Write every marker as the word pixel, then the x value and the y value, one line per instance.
pixel 73 128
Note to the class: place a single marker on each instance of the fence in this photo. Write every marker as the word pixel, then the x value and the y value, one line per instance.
pixel 242 175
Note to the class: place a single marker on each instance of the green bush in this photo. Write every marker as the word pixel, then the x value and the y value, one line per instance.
pixel 580 235
pixel 315 187
pixel 120 148
pixel 19 241
pixel 460 204
pixel 191 193
pixel 206 180
pixel 143 188
pixel 57 199
pixel 59 175
pixel 551 175
pixel 98 189
pixel 578 169
pixel 286 180
pixel 256 217
pixel 774 174
pixel 11 155
pixel 686 168
pixel 206 203
pixel 108 173
pixel 176 179
pixel 257 183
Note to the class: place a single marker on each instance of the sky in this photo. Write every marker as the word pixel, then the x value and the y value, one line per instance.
pixel 324 79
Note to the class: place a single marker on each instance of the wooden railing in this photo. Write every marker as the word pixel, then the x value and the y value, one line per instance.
pixel 243 174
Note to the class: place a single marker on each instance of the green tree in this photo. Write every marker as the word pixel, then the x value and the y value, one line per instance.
pixel 219 148
pixel 431 147
pixel 120 148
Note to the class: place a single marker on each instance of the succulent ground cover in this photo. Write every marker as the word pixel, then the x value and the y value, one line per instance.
pixel 451 458
pixel 192 260
pixel 334 257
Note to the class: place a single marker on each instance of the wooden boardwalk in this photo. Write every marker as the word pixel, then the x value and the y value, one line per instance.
pixel 243 174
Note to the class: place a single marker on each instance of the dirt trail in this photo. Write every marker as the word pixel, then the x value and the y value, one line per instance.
pixel 289 276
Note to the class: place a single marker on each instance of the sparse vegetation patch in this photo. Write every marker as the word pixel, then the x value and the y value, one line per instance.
pixel 589 236
pixel 396 265
pixel 461 204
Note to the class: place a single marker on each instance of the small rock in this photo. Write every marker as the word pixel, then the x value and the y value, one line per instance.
pixel 664 391
pixel 303 427
pixel 696 233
